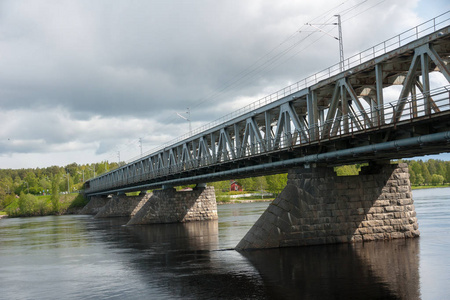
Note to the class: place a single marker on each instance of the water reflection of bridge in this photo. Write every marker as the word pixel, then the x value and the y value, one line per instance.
pixel 182 258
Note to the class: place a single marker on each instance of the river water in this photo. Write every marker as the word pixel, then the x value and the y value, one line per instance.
pixel 79 257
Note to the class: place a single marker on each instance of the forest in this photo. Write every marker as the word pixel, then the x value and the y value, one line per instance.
pixel 70 178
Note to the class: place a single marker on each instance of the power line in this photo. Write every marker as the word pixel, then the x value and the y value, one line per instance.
pixel 268 60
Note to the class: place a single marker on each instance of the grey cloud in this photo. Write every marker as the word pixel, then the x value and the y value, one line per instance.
pixel 97 73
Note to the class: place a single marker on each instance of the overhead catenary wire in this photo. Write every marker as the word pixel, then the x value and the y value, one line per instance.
pixel 269 60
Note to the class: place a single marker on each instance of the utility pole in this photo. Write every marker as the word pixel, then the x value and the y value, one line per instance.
pixel 188 118
pixel 118 155
pixel 140 145
pixel 341 41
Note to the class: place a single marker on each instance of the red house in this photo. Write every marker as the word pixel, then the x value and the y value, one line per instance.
pixel 234 186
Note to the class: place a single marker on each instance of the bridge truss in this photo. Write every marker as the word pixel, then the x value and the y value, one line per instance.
pixel 331 117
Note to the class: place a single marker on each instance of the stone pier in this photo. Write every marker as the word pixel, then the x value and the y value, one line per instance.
pixel 318 207
pixel 170 206
pixel 123 205
pixel 94 205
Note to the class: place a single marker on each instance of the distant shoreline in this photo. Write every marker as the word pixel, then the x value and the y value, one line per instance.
pixel 425 187
pixel 243 201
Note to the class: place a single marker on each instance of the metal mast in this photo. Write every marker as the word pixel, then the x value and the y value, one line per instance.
pixel 188 118
pixel 341 42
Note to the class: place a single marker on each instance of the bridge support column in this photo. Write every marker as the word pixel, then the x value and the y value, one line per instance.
pixel 94 205
pixel 170 206
pixel 318 207
pixel 123 206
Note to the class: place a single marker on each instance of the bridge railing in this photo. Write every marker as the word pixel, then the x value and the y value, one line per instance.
pixel 416 108
pixel 399 40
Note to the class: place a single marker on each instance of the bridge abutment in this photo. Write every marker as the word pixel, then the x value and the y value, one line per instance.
pixel 123 206
pixel 170 206
pixel 318 207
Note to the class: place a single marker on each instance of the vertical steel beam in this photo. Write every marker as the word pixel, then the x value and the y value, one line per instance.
pixel 345 110
pixel 213 147
pixel 414 101
pixel 379 91
pixel 237 139
pixel 313 115
pixel 425 63
pixel 268 132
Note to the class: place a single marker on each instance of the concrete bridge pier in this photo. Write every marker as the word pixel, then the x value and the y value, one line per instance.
pixel 318 207
pixel 169 206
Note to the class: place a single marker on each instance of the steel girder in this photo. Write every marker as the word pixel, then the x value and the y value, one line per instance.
pixel 349 102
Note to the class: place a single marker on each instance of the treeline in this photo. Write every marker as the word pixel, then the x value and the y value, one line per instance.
pixel 430 172
pixel 46 181
pixel 55 180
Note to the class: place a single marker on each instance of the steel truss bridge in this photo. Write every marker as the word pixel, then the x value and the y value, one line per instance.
pixel 332 117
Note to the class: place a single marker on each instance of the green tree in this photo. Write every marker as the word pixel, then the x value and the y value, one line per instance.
pixel 426 174
pixel 7 201
pixel 419 179
pixel 276 183
pixel 447 173
pixel 441 169
pixel 221 186
pixel 416 167
pixel 26 202
pixel 432 166
pixel 55 194
pixel 260 183
pixel 412 176
pixel 347 170
pixel 437 179
pixel 248 184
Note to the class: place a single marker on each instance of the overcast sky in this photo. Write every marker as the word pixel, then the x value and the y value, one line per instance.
pixel 81 81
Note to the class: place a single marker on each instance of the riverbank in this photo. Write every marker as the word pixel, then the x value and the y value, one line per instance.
pixel 244 201
pixel 424 187
pixel 27 205
pixel 73 203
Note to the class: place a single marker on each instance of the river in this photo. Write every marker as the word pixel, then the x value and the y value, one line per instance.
pixel 79 257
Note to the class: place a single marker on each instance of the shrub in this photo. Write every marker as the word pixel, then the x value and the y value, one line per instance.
pixel 437 179
pixel 79 201
pixel 26 204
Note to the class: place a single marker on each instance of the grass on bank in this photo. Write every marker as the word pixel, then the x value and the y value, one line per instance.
pixel 422 187
pixel 27 205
